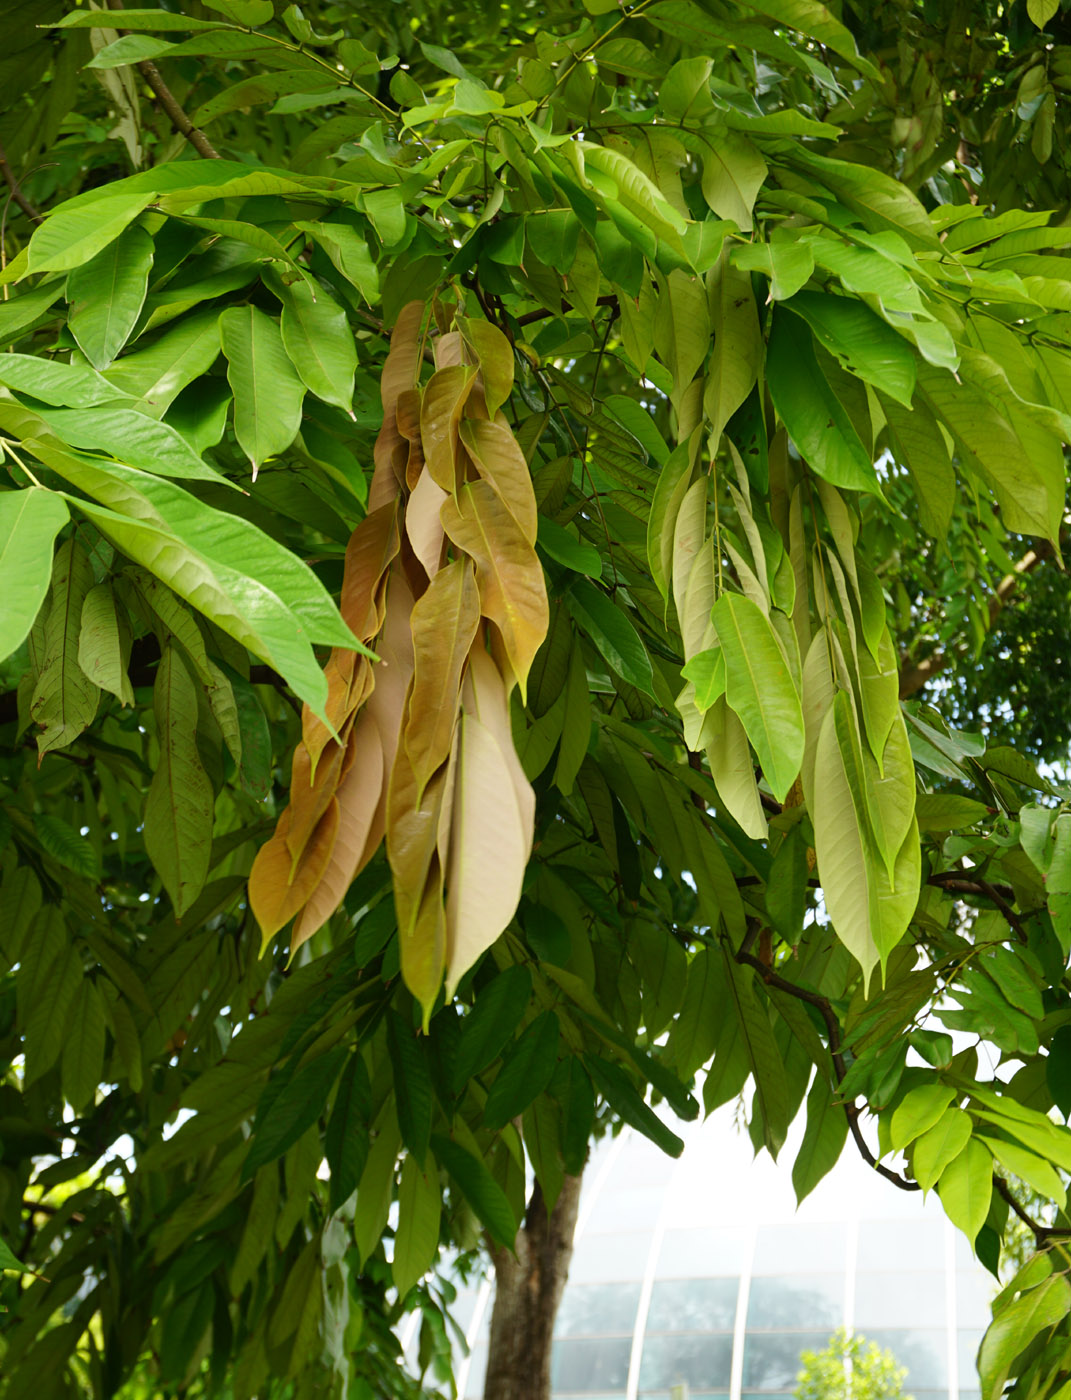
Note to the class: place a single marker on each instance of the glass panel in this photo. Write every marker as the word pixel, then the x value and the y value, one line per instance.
pixel 584 1366
pixel 633 1207
pixel 703 1362
pixel 692 1305
pixel 974 1294
pixel 796 1301
pixel 923 1353
pixel 790 1249
pixel 901 1244
pixel 609 1258
pixel 701 1253
pixel 967 1344
pixel 900 1300
pixel 607 1308
pixel 772 1360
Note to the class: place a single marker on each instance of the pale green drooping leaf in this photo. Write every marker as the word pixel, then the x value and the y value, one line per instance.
pixel 267 388
pixel 106 295
pixel 100 644
pixel 966 1188
pixel 760 689
pixel 737 354
pixel 939 1145
pixel 30 520
pixel 1036 1310
pixel 732 175
pixel 180 805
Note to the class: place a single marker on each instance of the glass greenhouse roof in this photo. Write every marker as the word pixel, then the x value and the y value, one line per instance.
pixel 701 1272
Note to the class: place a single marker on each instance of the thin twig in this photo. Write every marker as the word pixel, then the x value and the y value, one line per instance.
pixel 1042 1233
pixel 17 195
pixel 996 894
pixel 172 108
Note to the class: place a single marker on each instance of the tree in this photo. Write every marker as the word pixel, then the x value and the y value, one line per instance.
pixel 850 1368
pixel 465 482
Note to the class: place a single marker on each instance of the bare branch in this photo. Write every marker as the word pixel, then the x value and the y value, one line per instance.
pixel 16 191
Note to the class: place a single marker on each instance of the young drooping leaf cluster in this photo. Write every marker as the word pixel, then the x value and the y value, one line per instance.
pixel 610 371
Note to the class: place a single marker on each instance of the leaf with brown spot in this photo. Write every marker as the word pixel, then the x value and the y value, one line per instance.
pixel 444 398
pixel 444 622
pixel 512 589
pixel 500 461
pixel 279 887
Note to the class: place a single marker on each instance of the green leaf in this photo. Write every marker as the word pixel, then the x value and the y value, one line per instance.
pixel 567 550
pixel 966 1188
pixel 318 340
pixel 490 1024
pixel 70 386
pixel 614 636
pixel 939 1145
pixel 1034 1311
pixel 131 438
pixel 1041 11
pixel 82 1066
pixel 760 1052
pixel 180 804
pixel 64 700
pixel 346 1138
pixel 760 689
pixel 1028 1167
pixel 818 23
pixel 131 48
pixel 823 1139
pixel 107 293
pixel 416 1241
pixel 526 1070
pixel 79 230
pixel 734 365
pixel 733 172
pixel 412 1083
pixel 479 1188
pixel 157 373
pixel 64 844
pixel 30 520
pixel 816 420
pixel 133 19
pixel 284 1117
pixel 693 1035
pixel 938 811
pixel 101 653
pixel 623 1097
pixel 267 389
pixel 9 1263
pixel 864 344
pixel 786 266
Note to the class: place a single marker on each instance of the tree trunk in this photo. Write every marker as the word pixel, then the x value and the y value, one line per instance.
pixel 528 1289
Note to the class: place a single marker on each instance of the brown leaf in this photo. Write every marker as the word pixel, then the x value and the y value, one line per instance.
pixel 444 623
pixel 512 589
pixel 449 350
pixel 412 839
pixel 500 461
pixel 444 398
pixel 409 426
pixel 277 887
pixel 401 370
pixel 361 814
pixel 372 546
pixel 422 523
pixel 486 695
pixel 489 851
pixel 310 794
pixel 349 678
pixel 394 669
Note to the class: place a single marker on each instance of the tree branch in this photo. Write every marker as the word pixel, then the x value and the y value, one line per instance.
pixel 172 109
pixel 997 894
pixel 914 677
pixel 774 979
pixel 1042 1233
pixel 16 191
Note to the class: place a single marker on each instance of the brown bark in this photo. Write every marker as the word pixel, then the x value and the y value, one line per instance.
pixel 528 1289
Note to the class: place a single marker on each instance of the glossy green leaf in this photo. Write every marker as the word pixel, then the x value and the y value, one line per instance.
pixel 284 1116
pixel 318 340
pixel 966 1188
pixel 619 1091
pixel 107 293
pixel 939 1145
pixel 30 520
pixel 158 372
pixel 823 1138
pixel 101 653
pixel 815 418
pixel 81 229
pixel 346 1138
pixel 1036 1310
pixel 615 638
pixel 131 438
pixel 864 344
pixel 267 389
pixel 63 843
pixel 68 386
pixel 786 265
pixel 64 700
